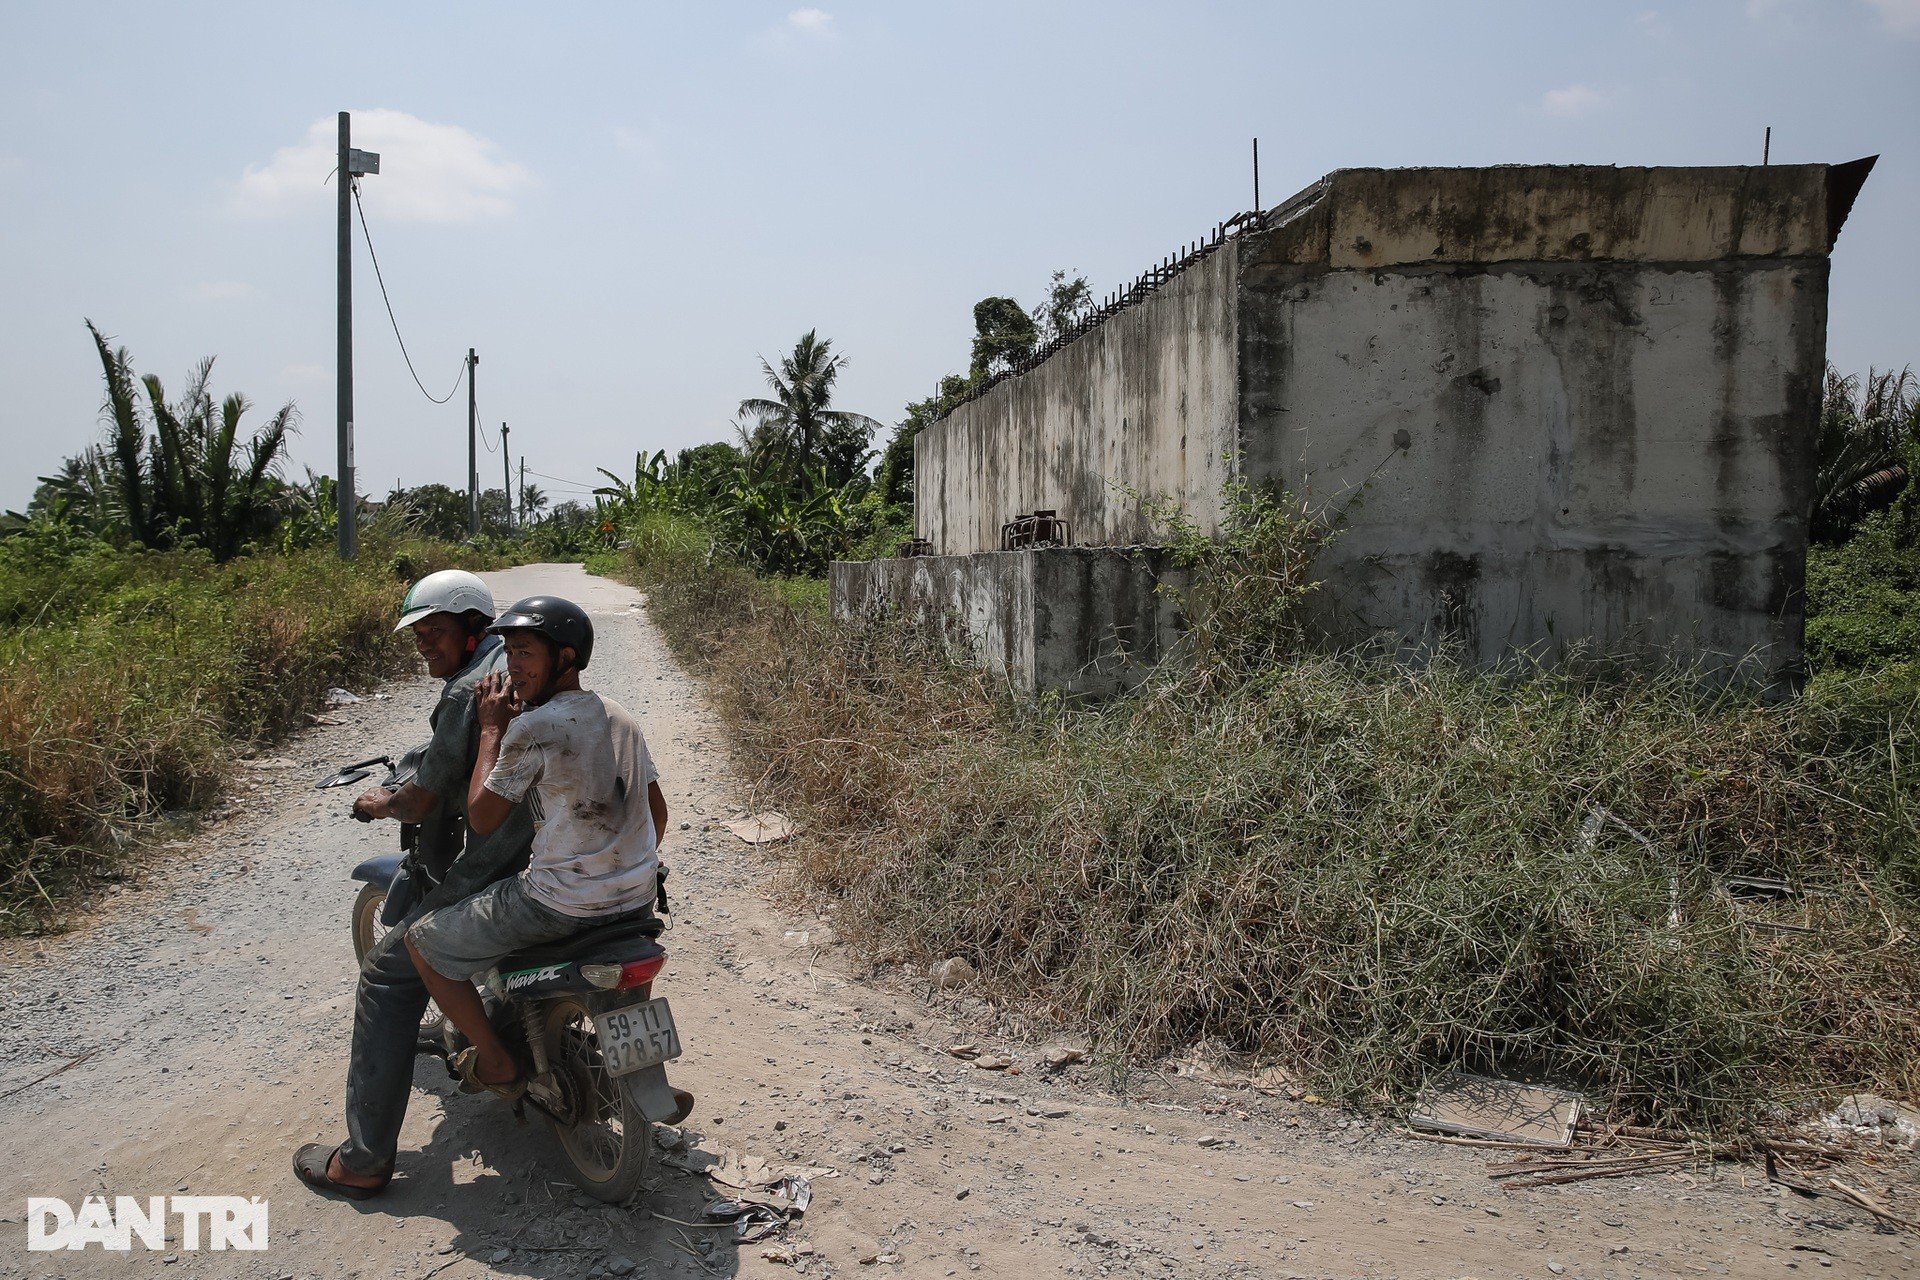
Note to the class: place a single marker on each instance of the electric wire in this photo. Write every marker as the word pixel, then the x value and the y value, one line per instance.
pixel 391 318
pixel 561 480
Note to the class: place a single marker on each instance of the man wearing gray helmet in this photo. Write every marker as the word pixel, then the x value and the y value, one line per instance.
pixel 448 613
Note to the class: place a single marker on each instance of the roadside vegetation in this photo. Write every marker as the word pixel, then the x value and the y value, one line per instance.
pixel 167 603
pixel 1364 872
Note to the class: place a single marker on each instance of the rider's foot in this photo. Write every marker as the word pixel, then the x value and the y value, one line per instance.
pixel 479 1075
pixel 502 1070
pixel 337 1172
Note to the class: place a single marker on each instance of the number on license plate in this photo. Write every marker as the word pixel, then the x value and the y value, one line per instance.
pixel 638 1036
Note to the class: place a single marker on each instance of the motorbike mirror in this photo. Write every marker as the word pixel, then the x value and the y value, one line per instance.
pixel 342 778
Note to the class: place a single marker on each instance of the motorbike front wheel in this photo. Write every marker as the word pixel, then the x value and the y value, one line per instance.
pixel 610 1141
pixel 367 930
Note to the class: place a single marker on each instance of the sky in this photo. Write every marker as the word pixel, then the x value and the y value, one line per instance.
pixel 623 207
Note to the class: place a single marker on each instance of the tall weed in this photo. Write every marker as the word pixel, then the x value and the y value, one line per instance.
pixel 1359 871
pixel 129 681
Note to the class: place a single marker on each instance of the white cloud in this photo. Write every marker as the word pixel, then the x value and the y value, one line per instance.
pixel 1653 23
pixel 811 20
pixel 1898 15
pixel 428 172
pixel 225 290
pixel 1574 100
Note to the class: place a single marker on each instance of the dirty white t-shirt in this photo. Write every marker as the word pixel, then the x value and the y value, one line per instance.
pixel 580 763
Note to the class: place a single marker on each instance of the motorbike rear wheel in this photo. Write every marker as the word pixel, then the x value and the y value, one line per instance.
pixel 610 1141
pixel 367 930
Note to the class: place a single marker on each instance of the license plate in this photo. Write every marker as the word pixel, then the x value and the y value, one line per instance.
pixel 641 1035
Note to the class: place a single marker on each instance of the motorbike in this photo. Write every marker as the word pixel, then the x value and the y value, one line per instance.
pixel 579 1013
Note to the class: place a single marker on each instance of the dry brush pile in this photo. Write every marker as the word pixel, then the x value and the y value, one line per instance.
pixel 1357 870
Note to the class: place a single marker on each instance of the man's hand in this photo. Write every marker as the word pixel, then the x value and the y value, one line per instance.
pixel 410 803
pixel 371 803
pixel 496 706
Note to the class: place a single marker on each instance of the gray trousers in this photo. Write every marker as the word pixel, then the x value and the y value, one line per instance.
pixel 387 1006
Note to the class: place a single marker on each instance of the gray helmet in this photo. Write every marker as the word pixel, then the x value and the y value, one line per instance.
pixel 563 622
pixel 453 591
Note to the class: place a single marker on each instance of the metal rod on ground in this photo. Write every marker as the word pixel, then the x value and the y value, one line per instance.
pixel 506 475
pixel 473 461
pixel 343 357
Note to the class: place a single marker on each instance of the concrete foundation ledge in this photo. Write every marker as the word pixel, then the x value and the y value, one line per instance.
pixel 1087 621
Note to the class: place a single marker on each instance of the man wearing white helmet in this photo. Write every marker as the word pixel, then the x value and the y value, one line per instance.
pixel 448 613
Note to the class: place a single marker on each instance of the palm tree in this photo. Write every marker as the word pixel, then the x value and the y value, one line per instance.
pixel 799 414
pixel 188 480
pixel 533 500
pixel 1865 424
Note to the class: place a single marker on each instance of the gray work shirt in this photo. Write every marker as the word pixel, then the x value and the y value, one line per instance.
pixel 445 769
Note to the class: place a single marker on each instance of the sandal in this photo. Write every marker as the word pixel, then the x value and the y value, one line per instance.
pixel 310 1164
pixel 466 1065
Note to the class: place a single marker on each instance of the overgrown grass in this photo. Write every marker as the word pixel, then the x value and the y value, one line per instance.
pixel 130 680
pixel 1359 871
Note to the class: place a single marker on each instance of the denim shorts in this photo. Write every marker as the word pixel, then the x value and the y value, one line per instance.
pixel 465 939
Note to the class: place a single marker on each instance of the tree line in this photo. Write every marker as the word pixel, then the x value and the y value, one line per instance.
pixel 797 483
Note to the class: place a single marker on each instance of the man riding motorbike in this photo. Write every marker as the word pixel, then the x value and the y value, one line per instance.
pixel 448 613
pixel 578 762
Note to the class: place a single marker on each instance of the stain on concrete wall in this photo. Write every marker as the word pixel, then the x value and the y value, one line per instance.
pixel 1549 407
pixel 1083 620
pixel 1147 401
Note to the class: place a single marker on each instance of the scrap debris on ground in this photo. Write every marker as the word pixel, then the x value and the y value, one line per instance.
pixel 761 1199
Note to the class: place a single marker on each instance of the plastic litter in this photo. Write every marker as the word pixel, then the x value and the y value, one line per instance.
pixel 762 828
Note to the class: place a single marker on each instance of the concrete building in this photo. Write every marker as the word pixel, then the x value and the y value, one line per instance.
pixel 1547 408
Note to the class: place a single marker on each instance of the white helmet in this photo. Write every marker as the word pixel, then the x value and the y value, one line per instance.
pixel 453 591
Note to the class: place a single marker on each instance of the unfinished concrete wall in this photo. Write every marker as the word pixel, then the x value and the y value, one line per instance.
pixel 1548 406
pixel 1149 401
pixel 1551 407
pixel 1083 620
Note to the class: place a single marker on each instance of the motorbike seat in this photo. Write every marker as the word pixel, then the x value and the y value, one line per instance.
pixel 615 943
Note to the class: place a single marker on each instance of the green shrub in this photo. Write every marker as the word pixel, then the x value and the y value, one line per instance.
pixel 1863 599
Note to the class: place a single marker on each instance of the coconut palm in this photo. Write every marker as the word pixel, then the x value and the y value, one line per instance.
pixel 799 415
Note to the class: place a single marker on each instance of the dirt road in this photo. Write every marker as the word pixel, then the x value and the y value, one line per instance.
pixel 212 1001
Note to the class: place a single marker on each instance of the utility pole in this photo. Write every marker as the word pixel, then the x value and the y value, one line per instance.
pixel 506 474
pixel 1256 175
pixel 523 491
pixel 352 164
pixel 473 461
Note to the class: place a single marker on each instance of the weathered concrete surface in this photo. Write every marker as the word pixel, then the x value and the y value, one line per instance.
pixel 1549 407
pixel 1083 620
pixel 1148 402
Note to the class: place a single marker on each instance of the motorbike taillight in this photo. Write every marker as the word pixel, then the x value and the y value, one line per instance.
pixel 634 973
pixel 638 973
